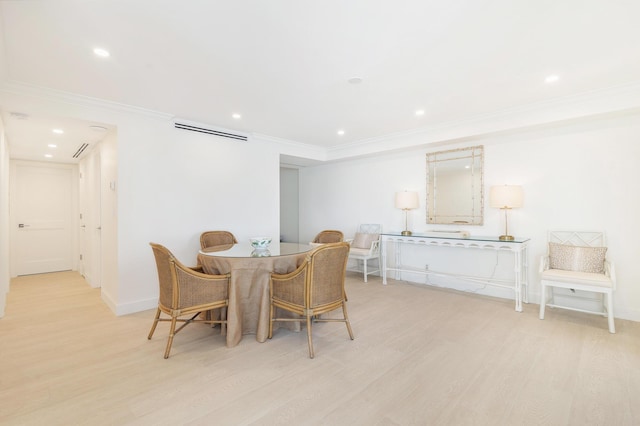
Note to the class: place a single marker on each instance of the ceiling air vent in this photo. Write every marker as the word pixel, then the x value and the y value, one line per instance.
pixel 210 131
pixel 80 150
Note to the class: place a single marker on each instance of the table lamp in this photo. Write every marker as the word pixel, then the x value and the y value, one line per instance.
pixel 506 197
pixel 406 200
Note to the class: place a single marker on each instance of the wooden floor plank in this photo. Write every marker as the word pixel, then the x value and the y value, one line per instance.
pixel 421 355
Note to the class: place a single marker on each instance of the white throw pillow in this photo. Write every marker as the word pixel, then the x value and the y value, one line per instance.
pixel 363 240
pixel 577 258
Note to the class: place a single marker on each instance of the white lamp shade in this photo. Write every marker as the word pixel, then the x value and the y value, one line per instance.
pixel 506 196
pixel 407 200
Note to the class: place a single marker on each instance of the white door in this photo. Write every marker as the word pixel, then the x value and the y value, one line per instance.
pixel 90 219
pixel 41 212
pixel 82 204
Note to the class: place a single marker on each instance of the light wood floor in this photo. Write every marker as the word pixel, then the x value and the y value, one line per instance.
pixel 421 356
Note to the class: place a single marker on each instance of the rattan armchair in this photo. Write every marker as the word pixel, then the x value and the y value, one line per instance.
pixel 328 236
pixel 216 238
pixel 314 288
pixel 186 291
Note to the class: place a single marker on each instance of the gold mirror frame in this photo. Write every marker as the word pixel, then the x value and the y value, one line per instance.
pixel 455 186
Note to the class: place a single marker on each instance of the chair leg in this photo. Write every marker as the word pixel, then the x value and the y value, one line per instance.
pixel 171 334
pixel 346 320
pixel 212 315
pixel 364 268
pixel 155 323
pixel 311 354
pixel 223 317
pixel 612 327
pixel 543 300
pixel 271 312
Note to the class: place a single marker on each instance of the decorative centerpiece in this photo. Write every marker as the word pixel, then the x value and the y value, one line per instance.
pixel 260 243
pixel 260 253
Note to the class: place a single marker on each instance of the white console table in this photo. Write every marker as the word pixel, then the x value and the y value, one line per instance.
pixel 518 247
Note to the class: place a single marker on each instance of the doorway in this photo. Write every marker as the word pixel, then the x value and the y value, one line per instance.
pixel 289 201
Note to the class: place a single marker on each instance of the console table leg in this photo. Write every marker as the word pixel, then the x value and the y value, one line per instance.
pixel 518 299
pixel 518 280
pixel 383 260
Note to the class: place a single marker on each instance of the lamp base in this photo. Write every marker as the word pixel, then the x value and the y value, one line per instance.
pixel 405 233
pixel 506 238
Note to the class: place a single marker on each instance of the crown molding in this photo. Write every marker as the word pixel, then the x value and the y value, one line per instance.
pixel 585 105
pixel 294 148
pixel 34 91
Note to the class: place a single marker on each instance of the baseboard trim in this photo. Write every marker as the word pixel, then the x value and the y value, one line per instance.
pixel 129 308
pixel 534 296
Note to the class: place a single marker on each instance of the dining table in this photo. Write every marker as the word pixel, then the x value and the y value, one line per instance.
pixel 250 270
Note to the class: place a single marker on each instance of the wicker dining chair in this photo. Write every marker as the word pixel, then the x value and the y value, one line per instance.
pixel 328 236
pixel 314 288
pixel 186 291
pixel 216 238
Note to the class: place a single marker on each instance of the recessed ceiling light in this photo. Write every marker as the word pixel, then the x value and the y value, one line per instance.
pixel 48 155
pixel 355 80
pixel 103 53
pixel 52 145
pixel 551 78
pixel 340 132
pixel 58 131
pixel 236 116
pixel 419 112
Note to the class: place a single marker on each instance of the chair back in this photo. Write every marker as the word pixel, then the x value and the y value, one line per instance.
pixel 165 263
pixel 578 238
pixel 370 228
pixel 367 237
pixel 216 238
pixel 326 274
pixel 329 236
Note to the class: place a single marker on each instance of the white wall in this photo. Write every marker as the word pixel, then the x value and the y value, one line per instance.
pixel 4 219
pixel 578 175
pixel 173 185
pixel 170 185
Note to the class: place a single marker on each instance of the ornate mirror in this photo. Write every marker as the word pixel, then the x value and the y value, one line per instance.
pixel 455 186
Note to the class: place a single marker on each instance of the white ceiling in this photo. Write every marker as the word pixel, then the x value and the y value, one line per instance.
pixel 284 65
